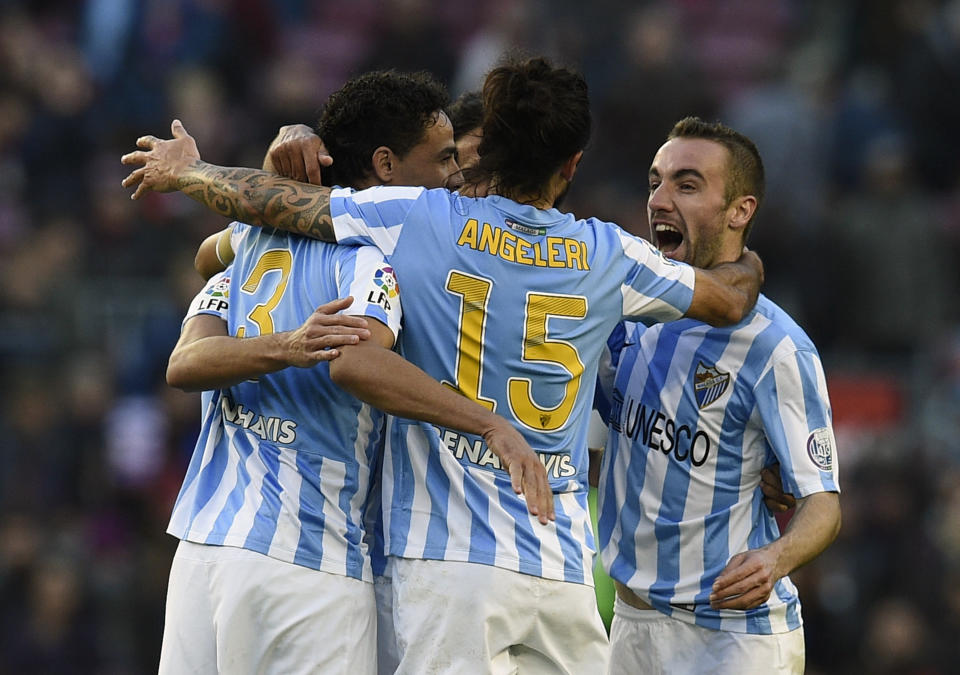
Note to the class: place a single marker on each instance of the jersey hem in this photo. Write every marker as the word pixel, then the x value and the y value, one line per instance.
pixel 511 564
pixel 338 567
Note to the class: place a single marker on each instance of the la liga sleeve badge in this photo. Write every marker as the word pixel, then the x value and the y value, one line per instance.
pixel 820 448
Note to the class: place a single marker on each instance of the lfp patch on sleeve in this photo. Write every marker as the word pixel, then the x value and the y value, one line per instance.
pixel 215 297
pixel 820 448
pixel 384 288
pixel 221 289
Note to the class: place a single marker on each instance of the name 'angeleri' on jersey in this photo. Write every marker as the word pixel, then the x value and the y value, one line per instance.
pixel 561 252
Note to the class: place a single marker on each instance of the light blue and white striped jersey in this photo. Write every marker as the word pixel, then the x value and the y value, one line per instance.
pixel 282 465
pixel 511 306
pixel 695 413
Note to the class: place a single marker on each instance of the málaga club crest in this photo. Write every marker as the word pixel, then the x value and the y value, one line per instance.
pixel 709 384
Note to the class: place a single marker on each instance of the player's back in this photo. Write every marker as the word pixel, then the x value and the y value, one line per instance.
pixel 287 470
pixel 512 305
pixel 509 305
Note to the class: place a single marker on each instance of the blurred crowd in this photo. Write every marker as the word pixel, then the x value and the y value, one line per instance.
pixel 855 107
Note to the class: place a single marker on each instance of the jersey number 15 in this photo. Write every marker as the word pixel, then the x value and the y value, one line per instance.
pixel 474 293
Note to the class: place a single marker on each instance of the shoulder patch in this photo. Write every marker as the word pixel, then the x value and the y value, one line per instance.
pixel 820 448
pixel 221 289
pixel 383 288
pixel 709 384
pixel 387 281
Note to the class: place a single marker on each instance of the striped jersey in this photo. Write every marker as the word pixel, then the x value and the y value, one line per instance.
pixel 511 306
pixel 695 413
pixel 282 465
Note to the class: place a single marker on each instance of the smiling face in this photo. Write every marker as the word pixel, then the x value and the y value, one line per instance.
pixel 690 217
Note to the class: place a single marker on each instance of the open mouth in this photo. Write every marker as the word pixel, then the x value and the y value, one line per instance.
pixel 668 238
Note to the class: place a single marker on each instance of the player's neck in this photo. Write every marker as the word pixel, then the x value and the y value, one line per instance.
pixel 729 253
pixel 544 198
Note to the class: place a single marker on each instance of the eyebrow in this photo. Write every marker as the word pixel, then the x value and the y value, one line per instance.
pixel 679 174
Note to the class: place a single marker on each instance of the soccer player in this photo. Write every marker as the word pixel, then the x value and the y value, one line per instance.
pixel 510 302
pixel 374 125
pixel 466 113
pixel 273 573
pixel 695 413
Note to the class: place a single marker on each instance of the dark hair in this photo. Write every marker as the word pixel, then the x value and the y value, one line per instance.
pixel 744 166
pixel 535 118
pixel 385 108
pixel 466 113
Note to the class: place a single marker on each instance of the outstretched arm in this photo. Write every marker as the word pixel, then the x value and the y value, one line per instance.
pixel 749 577
pixel 295 153
pixel 373 373
pixel 248 195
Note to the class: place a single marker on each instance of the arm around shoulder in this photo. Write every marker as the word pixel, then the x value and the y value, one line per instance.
pixel 724 295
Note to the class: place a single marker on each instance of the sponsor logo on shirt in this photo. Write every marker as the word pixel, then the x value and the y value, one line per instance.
pixel 475 451
pixel 273 429
pixel 820 448
pixel 652 428
pixel 709 384
pixel 526 229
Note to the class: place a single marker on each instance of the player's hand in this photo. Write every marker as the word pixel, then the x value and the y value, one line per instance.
pixel 774 497
pixel 527 474
pixel 298 153
pixel 316 340
pixel 746 581
pixel 162 161
pixel 752 260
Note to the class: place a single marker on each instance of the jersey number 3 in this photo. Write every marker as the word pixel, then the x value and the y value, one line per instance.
pixel 274 260
pixel 474 294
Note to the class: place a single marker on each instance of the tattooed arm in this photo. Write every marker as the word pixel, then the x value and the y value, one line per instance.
pixel 248 195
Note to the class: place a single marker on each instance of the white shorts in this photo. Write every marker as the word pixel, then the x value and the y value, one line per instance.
pixel 230 610
pixel 650 642
pixel 459 617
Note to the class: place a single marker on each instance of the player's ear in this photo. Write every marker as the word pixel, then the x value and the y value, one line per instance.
pixel 383 162
pixel 741 210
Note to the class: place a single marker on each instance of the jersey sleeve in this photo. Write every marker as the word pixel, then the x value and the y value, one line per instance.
pixel 213 299
pixel 795 411
pixel 655 288
pixel 365 274
pixel 238 231
pixel 374 216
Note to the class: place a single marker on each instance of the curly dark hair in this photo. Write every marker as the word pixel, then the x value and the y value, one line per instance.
pixel 535 118
pixel 380 108
pixel 466 113
pixel 745 175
